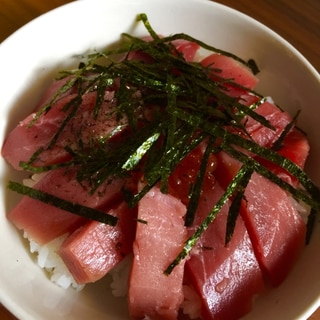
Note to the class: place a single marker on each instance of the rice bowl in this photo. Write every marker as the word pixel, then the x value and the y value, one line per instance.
pixel 285 75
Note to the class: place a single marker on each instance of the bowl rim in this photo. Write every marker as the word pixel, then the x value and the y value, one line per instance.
pixel 24 29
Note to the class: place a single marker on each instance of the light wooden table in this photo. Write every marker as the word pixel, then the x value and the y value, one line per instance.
pixel 298 21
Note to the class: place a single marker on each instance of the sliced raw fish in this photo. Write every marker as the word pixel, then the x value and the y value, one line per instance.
pixel 187 48
pixel 159 239
pixel 223 67
pixel 276 228
pixel 261 134
pixel 226 277
pixel 44 222
pixel 24 140
pixel 94 249
pixel 295 147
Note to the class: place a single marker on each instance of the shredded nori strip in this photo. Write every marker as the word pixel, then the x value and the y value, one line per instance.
pixel 192 109
pixel 78 209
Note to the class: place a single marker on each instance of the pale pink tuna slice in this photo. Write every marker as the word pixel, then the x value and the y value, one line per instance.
pixel 260 133
pixel 44 222
pixel 52 90
pixel 24 140
pixel 94 249
pixel 158 241
pixel 295 145
pixel 226 277
pixel 263 135
pixel 275 227
pixel 227 68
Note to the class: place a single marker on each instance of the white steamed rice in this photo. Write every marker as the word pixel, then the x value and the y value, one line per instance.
pixel 49 260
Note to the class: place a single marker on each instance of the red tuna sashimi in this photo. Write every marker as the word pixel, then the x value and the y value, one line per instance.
pixel 261 134
pixel 270 215
pixel 50 92
pixel 294 147
pixel 258 132
pixel 226 277
pixel 231 70
pixel 187 48
pixel 152 294
pixel 275 227
pixel 44 222
pixel 23 141
pixel 185 174
pixel 94 249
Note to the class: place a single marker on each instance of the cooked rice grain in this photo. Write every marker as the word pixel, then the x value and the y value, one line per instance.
pixel 49 260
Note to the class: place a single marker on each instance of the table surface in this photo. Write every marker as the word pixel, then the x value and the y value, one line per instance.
pixel 295 20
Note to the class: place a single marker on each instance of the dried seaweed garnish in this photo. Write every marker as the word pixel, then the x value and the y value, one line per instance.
pixel 191 108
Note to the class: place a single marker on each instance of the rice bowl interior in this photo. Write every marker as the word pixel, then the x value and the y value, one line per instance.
pixel 26 70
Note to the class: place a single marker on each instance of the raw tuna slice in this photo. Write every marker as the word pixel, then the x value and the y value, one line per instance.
pixel 229 69
pixel 187 48
pixel 295 145
pixel 258 132
pixel 52 90
pixel 23 141
pixel 261 134
pixel 43 222
pixel 152 294
pixel 94 249
pixel 296 148
pixel 226 277
pixel 185 174
pixel 275 227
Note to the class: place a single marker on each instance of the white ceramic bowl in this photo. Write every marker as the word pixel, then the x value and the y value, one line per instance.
pixel 30 57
